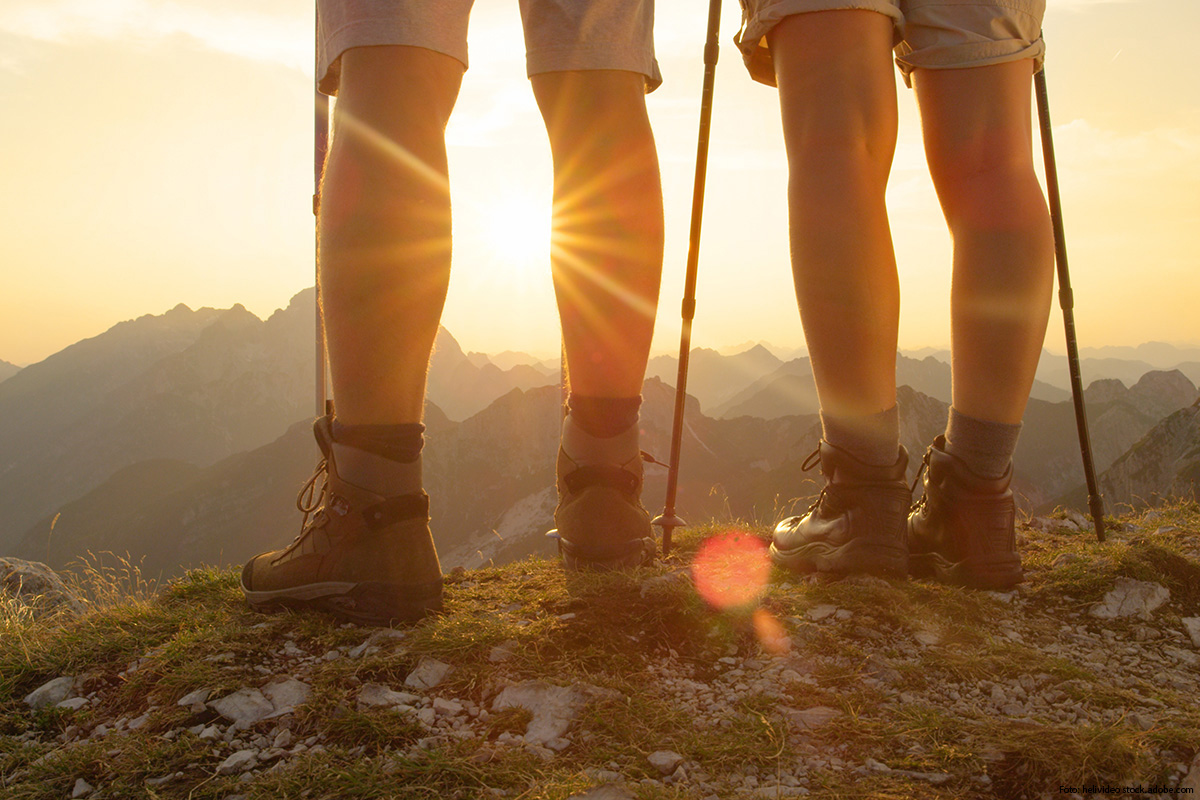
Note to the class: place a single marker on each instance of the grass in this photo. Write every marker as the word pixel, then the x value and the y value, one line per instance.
pixel 645 639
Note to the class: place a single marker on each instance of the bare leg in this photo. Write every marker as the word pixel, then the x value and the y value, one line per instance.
pixel 838 100
pixel 608 227
pixel 385 229
pixel 978 142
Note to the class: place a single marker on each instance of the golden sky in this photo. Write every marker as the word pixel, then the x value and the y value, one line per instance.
pixel 157 152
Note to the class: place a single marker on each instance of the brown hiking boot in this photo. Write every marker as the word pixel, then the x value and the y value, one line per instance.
pixel 600 519
pixel 856 524
pixel 962 531
pixel 360 556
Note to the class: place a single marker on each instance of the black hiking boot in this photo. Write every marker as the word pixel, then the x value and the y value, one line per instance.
pixel 363 557
pixel 856 524
pixel 600 519
pixel 962 531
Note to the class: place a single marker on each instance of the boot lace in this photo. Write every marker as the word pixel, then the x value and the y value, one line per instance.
pixel 808 465
pixel 916 482
pixel 311 500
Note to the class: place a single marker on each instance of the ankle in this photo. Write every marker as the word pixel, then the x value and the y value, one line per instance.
pixel 603 417
pixel 985 447
pixel 583 448
pixel 873 439
pixel 383 459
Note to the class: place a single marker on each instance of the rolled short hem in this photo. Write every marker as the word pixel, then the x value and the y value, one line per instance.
pixel 967 56
pixel 374 33
pixel 752 39
pixel 598 57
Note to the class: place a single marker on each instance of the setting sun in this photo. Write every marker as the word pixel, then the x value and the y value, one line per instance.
pixel 515 233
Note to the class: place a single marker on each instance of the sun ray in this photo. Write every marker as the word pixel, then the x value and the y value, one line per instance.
pixel 346 124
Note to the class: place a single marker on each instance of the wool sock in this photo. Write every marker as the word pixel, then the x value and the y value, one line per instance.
pixel 873 439
pixel 985 447
pixel 583 448
pixel 604 417
pixel 384 459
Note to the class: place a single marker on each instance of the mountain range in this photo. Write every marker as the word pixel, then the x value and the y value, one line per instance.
pixel 7 370
pixel 182 439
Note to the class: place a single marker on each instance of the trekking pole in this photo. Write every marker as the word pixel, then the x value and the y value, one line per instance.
pixel 668 520
pixel 320 146
pixel 1066 300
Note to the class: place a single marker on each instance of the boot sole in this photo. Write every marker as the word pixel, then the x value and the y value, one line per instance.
pixel 632 554
pixel 371 603
pixel 993 575
pixel 853 557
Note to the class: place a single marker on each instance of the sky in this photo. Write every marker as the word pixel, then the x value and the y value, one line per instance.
pixel 160 151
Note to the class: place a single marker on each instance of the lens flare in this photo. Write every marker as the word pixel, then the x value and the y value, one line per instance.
pixel 772 636
pixel 731 570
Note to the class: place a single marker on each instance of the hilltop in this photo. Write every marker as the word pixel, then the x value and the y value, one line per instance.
pixel 705 676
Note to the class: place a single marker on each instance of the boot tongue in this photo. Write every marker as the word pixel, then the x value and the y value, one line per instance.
pixel 584 449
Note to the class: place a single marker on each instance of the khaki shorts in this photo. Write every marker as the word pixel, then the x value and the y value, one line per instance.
pixel 560 35
pixel 930 34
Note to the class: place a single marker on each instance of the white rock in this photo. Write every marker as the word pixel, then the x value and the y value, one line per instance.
pixel 285 694
pixel 665 761
pixel 1192 626
pixel 554 708
pixel 503 651
pixel 73 704
pixel 378 695
pixel 928 638
pixel 370 645
pixel 244 707
pixel 1130 597
pixel 36 587
pixel 820 612
pixel 813 717
pixel 50 693
pixel 1192 779
pixel 192 698
pixel 240 761
pixel 447 707
pixel 82 788
pixel 606 792
pixel 428 674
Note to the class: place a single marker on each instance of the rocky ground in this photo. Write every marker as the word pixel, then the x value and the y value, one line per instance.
pixel 707 676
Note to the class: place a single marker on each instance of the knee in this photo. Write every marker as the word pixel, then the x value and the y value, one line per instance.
pixel 992 195
pixel 399 91
pixel 988 182
pixel 584 110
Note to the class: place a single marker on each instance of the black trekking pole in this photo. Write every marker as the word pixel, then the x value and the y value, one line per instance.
pixel 668 520
pixel 1066 300
pixel 320 146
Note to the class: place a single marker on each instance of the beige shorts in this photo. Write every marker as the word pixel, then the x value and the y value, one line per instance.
pixel 560 35
pixel 930 34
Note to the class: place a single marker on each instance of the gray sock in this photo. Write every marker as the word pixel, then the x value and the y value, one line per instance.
pixel 873 439
pixel 985 447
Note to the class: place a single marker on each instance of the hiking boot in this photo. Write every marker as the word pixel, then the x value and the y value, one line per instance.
pixel 962 531
pixel 600 519
pixel 856 524
pixel 360 556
